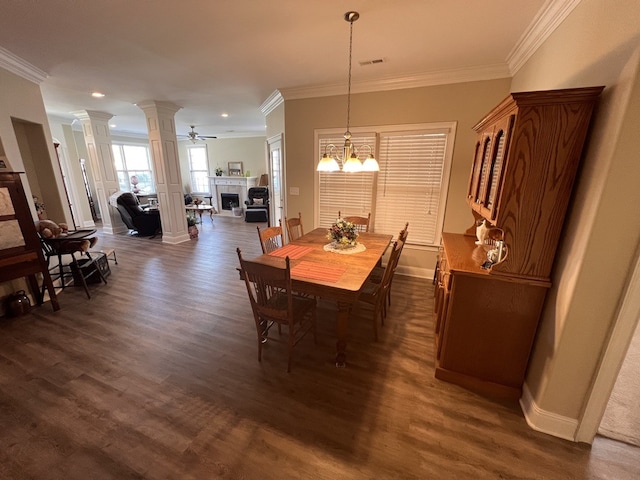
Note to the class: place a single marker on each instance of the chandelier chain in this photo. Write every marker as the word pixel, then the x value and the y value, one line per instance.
pixel 349 80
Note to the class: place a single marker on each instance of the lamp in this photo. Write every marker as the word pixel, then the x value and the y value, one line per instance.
pixel 349 159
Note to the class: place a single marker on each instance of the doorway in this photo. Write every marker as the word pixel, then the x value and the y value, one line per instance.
pixel 40 169
pixel 621 420
pixel 276 174
pixel 619 356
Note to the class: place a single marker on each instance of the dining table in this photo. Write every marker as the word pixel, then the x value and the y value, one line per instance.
pixel 336 274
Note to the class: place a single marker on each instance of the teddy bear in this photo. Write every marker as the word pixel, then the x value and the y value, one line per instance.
pixel 49 229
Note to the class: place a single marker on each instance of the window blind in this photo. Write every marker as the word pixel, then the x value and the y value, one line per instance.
pixel 409 187
pixel 349 193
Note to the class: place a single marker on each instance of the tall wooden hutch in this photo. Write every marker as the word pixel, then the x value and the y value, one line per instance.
pixel 20 250
pixel 526 158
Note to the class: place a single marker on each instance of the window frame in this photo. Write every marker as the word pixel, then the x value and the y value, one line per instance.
pixel 130 172
pixel 206 171
pixel 379 130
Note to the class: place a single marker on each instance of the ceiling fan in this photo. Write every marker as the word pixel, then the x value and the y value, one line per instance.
pixel 195 136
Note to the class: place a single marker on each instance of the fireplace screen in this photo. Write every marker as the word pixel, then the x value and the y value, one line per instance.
pixel 229 200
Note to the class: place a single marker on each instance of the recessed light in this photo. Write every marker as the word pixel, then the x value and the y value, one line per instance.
pixel 97 94
pixel 224 115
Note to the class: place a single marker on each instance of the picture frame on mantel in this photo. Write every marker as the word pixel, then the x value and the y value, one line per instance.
pixel 235 169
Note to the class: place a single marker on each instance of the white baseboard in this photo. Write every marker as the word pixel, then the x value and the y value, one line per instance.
pixel 415 272
pixel 546 422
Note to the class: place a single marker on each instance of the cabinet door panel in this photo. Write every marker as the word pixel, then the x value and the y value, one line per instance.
pixel 484 169
pixel 478 174
pixel 501 137
pixel 475 173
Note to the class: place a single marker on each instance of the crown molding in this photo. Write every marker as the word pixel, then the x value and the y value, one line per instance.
pixel 271 103
pixel 550 16
pixel 93 115
pixel 442 77
pixel 21 67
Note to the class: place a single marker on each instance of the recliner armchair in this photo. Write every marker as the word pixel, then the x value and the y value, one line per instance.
pixel 144 223
pixel 257 205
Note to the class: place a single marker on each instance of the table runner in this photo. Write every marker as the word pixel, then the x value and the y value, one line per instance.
pixel 318 271
pixel 291 251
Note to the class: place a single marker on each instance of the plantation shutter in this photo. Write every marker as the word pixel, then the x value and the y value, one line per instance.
pixel 349 193
pixel 410 184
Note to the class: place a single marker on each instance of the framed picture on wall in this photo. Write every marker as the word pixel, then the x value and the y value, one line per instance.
pixel 235 169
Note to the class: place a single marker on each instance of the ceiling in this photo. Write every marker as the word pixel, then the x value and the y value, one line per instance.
pixel 229 56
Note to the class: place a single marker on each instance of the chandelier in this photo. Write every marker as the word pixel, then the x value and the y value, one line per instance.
pixel 350 160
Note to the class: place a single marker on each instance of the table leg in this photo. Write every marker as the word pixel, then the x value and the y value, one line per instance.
pixel 342 328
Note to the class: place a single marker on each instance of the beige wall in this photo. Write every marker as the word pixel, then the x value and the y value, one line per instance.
pixel 596 45
pixel 464 103
pixel 248 150
pixel 275 121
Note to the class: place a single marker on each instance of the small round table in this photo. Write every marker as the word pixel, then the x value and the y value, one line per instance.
pixel 200 209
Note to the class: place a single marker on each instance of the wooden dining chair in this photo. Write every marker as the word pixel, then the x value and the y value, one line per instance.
pixel 361 223
pixel 375 294
pixel 271 238
pixel 378 271
pixel 274 303
pixel 294 227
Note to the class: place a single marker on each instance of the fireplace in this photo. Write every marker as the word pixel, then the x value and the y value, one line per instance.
pixel 225 190
pixel 227 200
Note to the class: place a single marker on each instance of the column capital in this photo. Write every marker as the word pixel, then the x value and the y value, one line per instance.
pixel 92 115
pixel 166 108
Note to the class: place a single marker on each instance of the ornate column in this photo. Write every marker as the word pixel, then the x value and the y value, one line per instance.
pixel 95 126
pixel 166 168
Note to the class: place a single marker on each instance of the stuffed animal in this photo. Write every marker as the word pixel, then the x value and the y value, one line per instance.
pixel 49 229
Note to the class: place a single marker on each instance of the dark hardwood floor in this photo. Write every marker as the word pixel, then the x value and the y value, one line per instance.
pixel 157 377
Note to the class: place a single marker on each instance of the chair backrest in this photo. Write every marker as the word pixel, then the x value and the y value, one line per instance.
pixel 361 223
pixel 271 238
pixel 130 204
pixel 404 233
pixel 269 289
pixel 390 268
pixel 294 227
pixel 258 193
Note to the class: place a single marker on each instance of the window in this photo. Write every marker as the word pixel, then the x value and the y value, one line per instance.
pixel 198 168
pixel 349 193
pixel 133 160
pixel 411 185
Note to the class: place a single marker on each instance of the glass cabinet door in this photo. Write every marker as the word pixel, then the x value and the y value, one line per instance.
pixel 477 184
pixel 501 136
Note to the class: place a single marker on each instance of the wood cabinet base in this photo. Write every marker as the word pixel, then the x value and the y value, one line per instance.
pixel 478 385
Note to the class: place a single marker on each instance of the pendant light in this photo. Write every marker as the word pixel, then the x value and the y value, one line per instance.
pixel 350 161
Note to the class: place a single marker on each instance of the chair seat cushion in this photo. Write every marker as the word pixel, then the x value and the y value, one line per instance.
pixel 301 306
pixel 377 274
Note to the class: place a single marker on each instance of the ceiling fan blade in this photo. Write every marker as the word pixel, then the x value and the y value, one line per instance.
pixel 206 136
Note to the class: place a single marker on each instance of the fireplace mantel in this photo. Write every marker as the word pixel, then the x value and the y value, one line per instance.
pixel 230 184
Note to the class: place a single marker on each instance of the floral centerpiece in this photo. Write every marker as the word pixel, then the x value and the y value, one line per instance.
pixel 343 234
